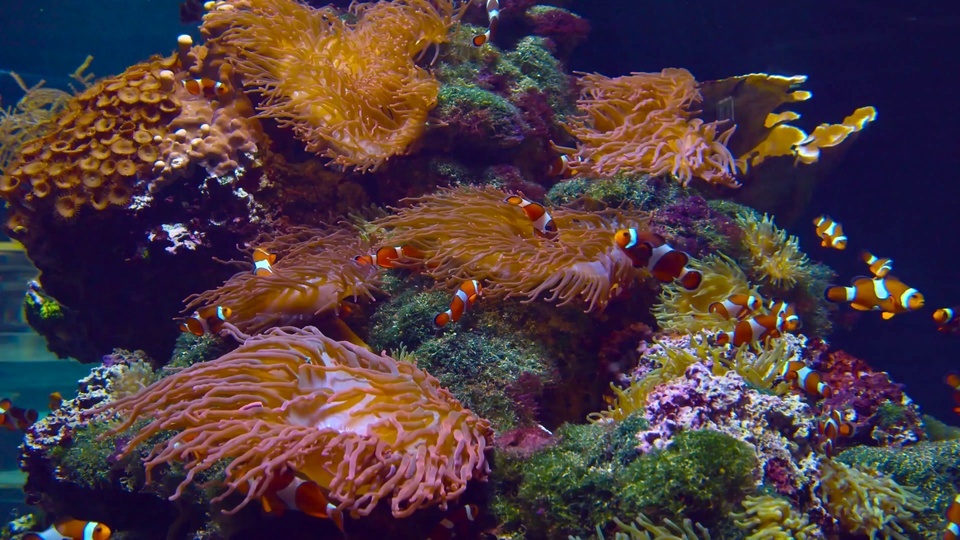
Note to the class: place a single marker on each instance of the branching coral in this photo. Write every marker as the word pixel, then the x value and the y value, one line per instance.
pixel 773 518
pixel 365 427
pixel 469 233
pixel 315 273
pixel 643 123
pixel 866 502
pixel 774 255
pixel 350 90
pixel 682 310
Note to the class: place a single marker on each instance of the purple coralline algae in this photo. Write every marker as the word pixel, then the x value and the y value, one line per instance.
pixel 778 428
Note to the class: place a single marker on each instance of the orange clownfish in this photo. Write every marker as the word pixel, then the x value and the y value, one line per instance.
pixel 953 380
pixel 386 256
pixel 462 301
pixel 830 232
pixel 879 267
pixel 72 529
pixel 543 224
pixel 791 321
pixel 560 167
pixel 834 428
pixel 290 492
pixel 205 87
pixel 56 401
pixel 208 320
pixel 952 530
pixel 14 418
pixel 650 250
pixel 947 320
pixel 804 377
pixel 493 14
pixel 753 330
pixel 738 306
pixel 456 524
pixel 888 294
pixel 263 262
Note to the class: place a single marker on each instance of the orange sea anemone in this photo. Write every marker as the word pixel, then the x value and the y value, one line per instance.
pixel 364 427
pixel 350 90
pixel 469 233
pixel 314 275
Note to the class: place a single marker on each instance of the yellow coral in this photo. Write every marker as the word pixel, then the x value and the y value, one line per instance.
pixel 350 90
pixel 866 502
pixel 772 518
pixel 685 312
pixel 775 255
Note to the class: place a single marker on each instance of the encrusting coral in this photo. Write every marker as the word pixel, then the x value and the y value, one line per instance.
pixel 351 91
pixel 364 427
pixel 469 233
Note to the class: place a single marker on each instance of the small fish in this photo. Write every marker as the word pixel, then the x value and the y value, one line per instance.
pixel 947 320
pixel 830 233
pixel 738 306
pixel 208 320
pixel 879 267
pixel 387 256
pixel 651 251
pixel 791 321
pixel 263 262
pixel 290 492
pixel 56 401
pixel 834 428
pixel 493 15
pixel 953 380
pixel 887 294
pixel 560 167
pixel 72 529
pixel 753 330
pixel 543 224
pixel 462 301
pixel 952 530
pixel 456 524
pixel 809 380
pixel 205 87
pixel 14 418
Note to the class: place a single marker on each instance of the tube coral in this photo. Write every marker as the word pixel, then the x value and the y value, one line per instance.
pixel 315 273
pixel 364 427
pixel 470 233
pixel 643 123
pixel 350 91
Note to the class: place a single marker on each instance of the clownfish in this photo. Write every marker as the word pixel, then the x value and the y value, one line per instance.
pixel 947 320
pixel 738 306
pixel 205 87
pixel 462 301
pixel 288 491
pixel 753 330
pixel 809 380
pixel 456 524
pixel 72 529
pixel 953 380
pixel 14 418
pixel 56 401
pixel 830 233
pixel 834 428
pixel 560 167
pixel 386 256
pixel 791 321
pixel 208 320
pixel 650 250
pixel 879 267
pixel 888 294
pixel 952 530
pixel 543 224
pixel 263 262
pixel 493 14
